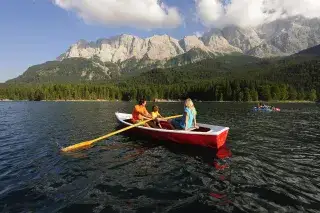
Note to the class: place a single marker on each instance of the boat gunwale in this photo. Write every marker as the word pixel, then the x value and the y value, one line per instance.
pixel 208 133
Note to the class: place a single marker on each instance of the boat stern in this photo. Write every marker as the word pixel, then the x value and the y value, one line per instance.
pixel 222 137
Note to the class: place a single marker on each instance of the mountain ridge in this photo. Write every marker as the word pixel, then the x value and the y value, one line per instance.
pixel 74 70
pixel 281 37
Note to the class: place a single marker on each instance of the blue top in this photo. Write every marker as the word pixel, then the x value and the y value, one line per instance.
pixel 180 122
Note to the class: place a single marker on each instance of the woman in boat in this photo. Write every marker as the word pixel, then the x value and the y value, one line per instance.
pixel 188 120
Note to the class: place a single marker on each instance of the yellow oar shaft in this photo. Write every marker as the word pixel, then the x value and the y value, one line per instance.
pixel 89 143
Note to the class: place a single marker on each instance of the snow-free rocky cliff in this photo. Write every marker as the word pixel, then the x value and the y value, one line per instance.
pixel 278 38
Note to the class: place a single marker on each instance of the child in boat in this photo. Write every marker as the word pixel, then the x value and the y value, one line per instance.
pixel 156 115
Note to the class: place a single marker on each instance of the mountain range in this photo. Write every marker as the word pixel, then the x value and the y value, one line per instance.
pixel 278 38
pixel 108 58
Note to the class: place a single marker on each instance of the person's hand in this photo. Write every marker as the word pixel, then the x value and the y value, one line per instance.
pixel 146 117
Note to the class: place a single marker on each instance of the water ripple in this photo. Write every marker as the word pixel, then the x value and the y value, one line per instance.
pixel 274 166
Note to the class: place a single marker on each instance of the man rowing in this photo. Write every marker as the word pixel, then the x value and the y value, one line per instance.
pixel 140 113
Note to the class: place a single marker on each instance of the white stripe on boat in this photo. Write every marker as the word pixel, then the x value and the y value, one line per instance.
pixel 214 130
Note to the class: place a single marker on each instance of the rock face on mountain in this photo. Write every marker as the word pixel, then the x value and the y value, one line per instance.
pixel 215 41
pixel 192 42
pixel 123 47
pixel 278 38
pixel 243 38
pixel 287 36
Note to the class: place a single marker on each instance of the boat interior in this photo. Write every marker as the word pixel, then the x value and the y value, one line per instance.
pixel 166 125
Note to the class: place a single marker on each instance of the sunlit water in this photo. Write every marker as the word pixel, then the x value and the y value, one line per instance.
pixel 273 161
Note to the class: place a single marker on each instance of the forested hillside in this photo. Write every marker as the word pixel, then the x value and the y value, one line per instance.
pixel 228 79
pixel 313 51
pixel 71 70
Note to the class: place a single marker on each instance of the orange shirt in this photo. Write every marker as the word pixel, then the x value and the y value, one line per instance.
pixel 137 111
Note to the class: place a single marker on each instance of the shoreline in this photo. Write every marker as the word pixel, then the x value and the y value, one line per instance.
pixel 160 101
pixel 256 102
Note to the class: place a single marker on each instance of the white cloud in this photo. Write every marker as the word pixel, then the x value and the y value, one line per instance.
pixel 198 34
pixel 145 14
pixel 213 13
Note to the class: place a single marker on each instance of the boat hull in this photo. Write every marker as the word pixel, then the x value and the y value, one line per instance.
pixel 214 140
pixel 266 109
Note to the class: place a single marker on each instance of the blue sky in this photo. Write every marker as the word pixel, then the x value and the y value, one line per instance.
pixel 35 31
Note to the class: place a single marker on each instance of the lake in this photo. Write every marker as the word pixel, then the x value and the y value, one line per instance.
pixel 271 164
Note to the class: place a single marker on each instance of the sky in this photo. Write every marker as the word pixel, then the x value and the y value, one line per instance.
pixel 35 31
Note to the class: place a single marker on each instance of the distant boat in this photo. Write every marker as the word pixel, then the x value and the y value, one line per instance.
pixel 266 109
pixel 207 135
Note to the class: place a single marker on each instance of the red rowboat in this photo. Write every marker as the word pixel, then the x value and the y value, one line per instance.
pixel 207 135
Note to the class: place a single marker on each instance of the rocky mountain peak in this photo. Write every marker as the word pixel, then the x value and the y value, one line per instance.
pixel 277 38
pixel 243 38
pixel 162 47
pixel 215 42
pixel 191 42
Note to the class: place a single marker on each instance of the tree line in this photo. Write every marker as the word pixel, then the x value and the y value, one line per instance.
pixel 222 90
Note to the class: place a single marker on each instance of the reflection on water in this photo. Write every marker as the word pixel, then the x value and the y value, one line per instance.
pixel 270 164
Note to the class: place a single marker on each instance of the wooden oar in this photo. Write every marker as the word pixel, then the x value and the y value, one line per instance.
pixel 89 143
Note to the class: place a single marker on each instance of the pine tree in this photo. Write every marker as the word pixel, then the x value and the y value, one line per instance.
pixel 292 93
pixel 265 93
pixel 313 95
pixel 247 95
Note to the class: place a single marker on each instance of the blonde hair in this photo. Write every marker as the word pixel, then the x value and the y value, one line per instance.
pixel 188 103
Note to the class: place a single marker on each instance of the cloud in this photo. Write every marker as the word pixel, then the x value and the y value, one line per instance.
pixel 143 14
pixel 215 13
pixel 198 34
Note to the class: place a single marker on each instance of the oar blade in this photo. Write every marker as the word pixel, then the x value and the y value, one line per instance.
pixel 77 146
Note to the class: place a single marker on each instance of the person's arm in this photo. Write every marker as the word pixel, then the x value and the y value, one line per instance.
pixel 195 122
pixel 143 113
pixel 146 117
pixel 146 114
pixel 160 118
pixel 186 121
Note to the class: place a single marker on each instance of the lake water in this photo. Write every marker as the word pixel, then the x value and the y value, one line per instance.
pixel 272 163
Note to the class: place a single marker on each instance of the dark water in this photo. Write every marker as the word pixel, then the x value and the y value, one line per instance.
pixel 274 164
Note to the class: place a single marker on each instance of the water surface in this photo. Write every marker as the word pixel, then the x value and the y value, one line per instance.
pixel 274 165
